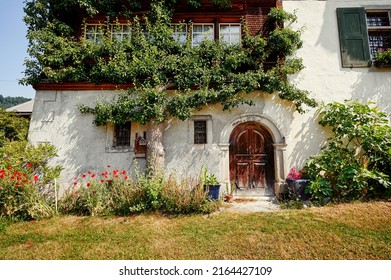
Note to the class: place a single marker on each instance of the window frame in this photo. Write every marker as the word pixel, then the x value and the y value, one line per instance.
pixel 177 34
pixel 376 29
pixel 127 35
pixel 209 130
pixel 111 139
pixel 230 36
pixel 98 32
pixel 200 137
pixel 121 141
pixel 355 38
pixel 205 35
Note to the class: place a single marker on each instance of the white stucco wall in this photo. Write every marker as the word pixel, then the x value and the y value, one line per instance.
pixel 82 145
pixel 324 76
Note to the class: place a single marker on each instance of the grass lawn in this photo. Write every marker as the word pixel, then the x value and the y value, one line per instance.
pixel 346 231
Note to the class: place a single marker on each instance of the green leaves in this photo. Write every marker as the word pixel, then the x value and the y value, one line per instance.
pixel 154 61
pixel 356 162
pixel 12 127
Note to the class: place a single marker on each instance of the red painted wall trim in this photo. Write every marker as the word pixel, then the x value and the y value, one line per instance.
pixel 80 86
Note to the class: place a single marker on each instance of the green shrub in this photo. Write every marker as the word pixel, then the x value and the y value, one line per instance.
pixel 26 189
pixel 113 192
pixel 356 162
pixel 20 196
pixel 12 127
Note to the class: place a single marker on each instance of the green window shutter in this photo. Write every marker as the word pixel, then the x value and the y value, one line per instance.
pixel 353 37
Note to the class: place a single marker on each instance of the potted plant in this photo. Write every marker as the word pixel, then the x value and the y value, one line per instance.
pixel 296 184
pixel 210 185
pixel 229 193
pixel 383 58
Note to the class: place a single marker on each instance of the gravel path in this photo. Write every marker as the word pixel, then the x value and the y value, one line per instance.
pixel 247 205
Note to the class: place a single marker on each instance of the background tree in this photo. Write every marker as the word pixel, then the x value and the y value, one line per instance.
pixel 8 101
pixel 12 127
pixel 170 78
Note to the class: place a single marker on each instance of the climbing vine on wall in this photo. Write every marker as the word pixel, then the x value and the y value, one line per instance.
pixel 169 78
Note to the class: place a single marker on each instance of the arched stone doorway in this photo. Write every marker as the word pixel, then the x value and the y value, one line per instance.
pixel 275 176
pixel 251 159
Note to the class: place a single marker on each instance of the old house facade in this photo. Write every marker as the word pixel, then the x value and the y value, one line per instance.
pixel 251 146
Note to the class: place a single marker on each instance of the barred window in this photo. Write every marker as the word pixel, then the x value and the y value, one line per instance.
pixel 379 30
pixel 122 135
pixel 200 132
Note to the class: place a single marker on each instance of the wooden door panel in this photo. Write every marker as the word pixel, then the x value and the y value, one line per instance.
pixel 259 175
pixel 242 143
pixel 242 175
pixel 257 143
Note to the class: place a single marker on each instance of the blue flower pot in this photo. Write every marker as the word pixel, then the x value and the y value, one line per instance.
pixel 213 191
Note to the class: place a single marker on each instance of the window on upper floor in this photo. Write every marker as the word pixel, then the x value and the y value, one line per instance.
pixel 362 33
pixel 379 30
pixel 179 32
pixel 202 31
pixel 94 32
pixel 230 33
pixel 121 31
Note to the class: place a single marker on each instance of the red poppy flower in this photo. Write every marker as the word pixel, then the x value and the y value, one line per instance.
pixel 74 183
pixel 30 245
pixel 93 175
pixel 29 165
pixel 108 166
pixel 88 185
pixel 35 178
pixel 102 181
pixel 89 172
pixel 123 172
pixel 84 175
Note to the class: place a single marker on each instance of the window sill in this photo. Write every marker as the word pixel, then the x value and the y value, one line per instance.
pixel 118 149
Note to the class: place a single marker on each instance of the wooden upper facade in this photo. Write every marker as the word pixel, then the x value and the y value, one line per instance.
pixel 254 12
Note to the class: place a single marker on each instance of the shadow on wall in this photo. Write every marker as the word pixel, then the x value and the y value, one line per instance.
pixel 375 86
pixel 310 138
pixel 81 145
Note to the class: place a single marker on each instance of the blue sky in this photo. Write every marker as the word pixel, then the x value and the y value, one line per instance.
pixel 13 49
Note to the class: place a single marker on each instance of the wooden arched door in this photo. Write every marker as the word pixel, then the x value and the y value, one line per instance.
pixel 251 157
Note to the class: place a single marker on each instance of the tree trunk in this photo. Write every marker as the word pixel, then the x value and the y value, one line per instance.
pixel 155 148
